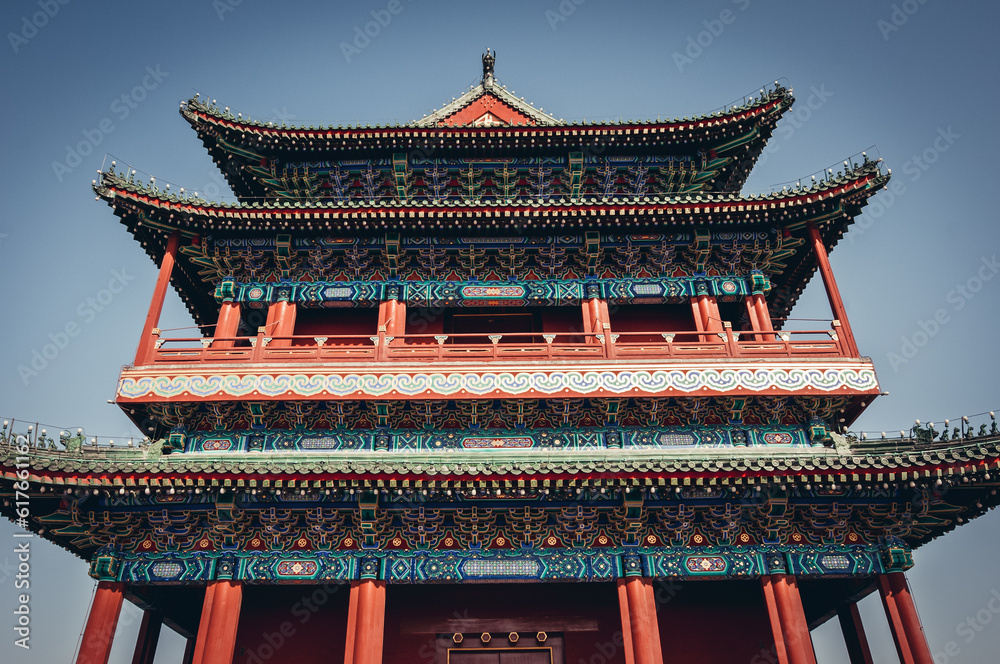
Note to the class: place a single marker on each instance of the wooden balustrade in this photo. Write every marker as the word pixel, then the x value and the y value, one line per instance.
pixel 506 346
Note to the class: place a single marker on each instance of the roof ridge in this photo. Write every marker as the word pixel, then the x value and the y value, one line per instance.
pixel 194 105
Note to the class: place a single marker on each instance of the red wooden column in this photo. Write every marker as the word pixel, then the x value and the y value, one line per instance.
pixel 228 325
pixel 369 622
pixel 799 614
pixel 626 623
pixel 280 322
pixel 699 317
pixel 907 632
pixel 391 323
pixel 146 341
pixel 352 622
pixel 274 311
pixel 767 585
pixel 220 617
pixel 752 316
pixel 711 317
pixel 149 636
pixel 288 320
pixel 642 620
pixel 832 293
pixel 911 619
pixel 854 634
pixel 794 630
pixel 597 320
pixel 392 314
pixel 592 317
pixel 95 647
pixel 604 327
pixel 760 318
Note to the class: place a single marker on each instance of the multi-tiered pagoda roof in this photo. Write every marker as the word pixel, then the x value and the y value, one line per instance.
pixel 490 345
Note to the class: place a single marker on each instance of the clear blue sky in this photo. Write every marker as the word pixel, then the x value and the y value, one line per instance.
pixel 916 78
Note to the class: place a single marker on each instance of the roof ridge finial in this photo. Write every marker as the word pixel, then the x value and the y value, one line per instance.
pixel 488 60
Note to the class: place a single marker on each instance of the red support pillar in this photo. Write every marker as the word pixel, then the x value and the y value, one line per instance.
pixel 770 599
pixel 758 303
pixel 710 313
pixel 626 623
pixel 754 321
pixel 832 293
pixel 387 315
pixel 854 634
pixel 370 622
pixel 699 318
pixel 802 625
pixel 352 622
pixel 146 341
pixel 597 320
pixel 95 647
pixel 907 632
pixel 592 317
pixel 228 325
pixel 398 326
pixel 792 620
pixel 642 620
pixel 220 617
pixel 280 322
pixel 149 636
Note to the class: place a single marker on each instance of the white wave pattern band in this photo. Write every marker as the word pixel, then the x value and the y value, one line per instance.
pixel 581 382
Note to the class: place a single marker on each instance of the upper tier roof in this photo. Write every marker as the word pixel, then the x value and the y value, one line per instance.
pixel 487 123
pixel 151 215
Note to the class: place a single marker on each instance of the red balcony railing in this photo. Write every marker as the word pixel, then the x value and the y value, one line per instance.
pixel 497 347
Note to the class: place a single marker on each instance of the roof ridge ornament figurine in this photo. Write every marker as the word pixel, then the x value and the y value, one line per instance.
pixel 488 61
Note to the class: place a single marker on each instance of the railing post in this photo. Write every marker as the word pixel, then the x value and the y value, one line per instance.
pixel 838 338
pixel 154 347
pixel 258 345
pixel 732 343
pixel 381 352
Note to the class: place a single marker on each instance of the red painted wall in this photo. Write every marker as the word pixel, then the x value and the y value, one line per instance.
pixel 411 609
pixel 700 622
pixel 323 322
pixel 652 318
pixel 292 624
pixel 713 622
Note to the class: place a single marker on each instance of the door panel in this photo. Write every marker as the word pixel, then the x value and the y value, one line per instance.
pixel 526 657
